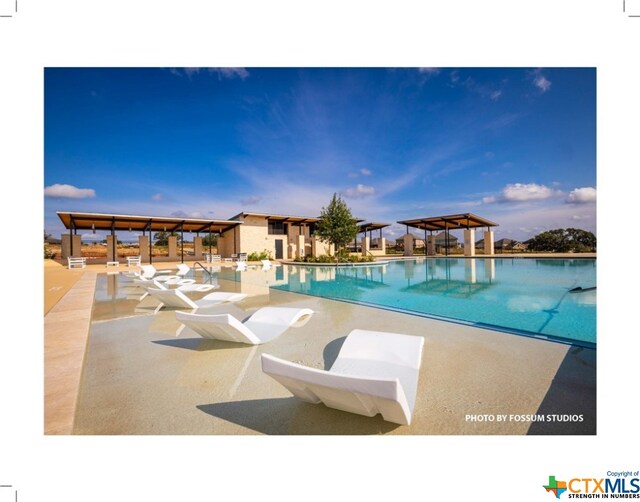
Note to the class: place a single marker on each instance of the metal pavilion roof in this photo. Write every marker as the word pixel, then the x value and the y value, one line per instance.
pixel 367 227
pixel 449 222
pixel 100 221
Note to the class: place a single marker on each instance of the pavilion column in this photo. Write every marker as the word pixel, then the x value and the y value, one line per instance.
pixel 197 248
pixel 366 246
pixel 469 242
pixel 67 245
pixel 408 245
pixel 431 245
pixel 488 242
pixel 300 246
pixel 221 246
pixel 173 247
pixel 143 244
pixel 383 244
pixel 111 242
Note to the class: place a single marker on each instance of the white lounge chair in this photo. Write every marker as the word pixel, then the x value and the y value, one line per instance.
pixel 133 261
pixel 183 269
pixel 241 266
pixel 149 271
pixel 177 299
pixel 184 285
pixel 263 326
pixel 267 264
pixel 76 261
pixel 375 372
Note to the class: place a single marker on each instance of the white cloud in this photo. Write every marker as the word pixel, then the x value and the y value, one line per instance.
pixel 359 191
pixel 428 73
pixel 540 81
pixel 583 195
pixel 157 197
pixel 189 72
pixel 184 72
pixel 183 214
pixel 522 192
pixel 91 237
pixel 220 72
pixel 361 172
pixel 68 192
pixel 254 199
pixel 232 73
pixel 519 192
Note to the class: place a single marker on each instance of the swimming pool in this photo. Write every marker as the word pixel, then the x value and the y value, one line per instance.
pixel 521 295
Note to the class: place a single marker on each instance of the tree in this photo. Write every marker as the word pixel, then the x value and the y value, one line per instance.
pixel 336 225
pixel 210 239
pixel 564 240
pixel 162 238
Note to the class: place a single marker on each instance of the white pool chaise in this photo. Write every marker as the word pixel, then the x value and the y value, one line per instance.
pixel 263 326
pixel 149 271
pixel 375 372
pixel 177 299
pixel 184 285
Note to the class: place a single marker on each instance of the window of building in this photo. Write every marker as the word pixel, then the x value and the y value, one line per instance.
pixel 277 228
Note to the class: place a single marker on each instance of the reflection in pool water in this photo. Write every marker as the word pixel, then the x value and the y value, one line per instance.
pixel 530 296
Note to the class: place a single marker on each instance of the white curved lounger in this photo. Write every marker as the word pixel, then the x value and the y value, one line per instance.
pixel 375 372
pixel 183 269
pixel 193 286
pixel 264 325
pixel 177 299
pixel 149 271
pixel 184 285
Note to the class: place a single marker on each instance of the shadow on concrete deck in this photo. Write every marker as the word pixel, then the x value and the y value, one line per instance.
pixel 572 392
pixel 291 416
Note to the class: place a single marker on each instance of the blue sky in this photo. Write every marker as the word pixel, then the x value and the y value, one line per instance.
pixel 514 145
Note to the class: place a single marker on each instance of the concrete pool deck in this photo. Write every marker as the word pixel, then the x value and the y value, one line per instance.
pixel 134 375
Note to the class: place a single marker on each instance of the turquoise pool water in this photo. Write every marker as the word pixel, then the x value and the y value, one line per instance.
pixel 525 296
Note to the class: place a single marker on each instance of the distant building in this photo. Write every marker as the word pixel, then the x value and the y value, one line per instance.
pixel 441 241
pixel 504 245
pixel 418 242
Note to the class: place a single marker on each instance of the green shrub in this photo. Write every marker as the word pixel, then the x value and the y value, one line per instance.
pixel 331 260
pixel 263 255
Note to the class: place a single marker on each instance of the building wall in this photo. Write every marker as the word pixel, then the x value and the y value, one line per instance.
pixel 66 246
pixel 293 231
pixel 255 238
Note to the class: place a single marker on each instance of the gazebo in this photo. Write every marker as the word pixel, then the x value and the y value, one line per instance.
pixel 367 241
pixel 146 224
pixel 464 221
